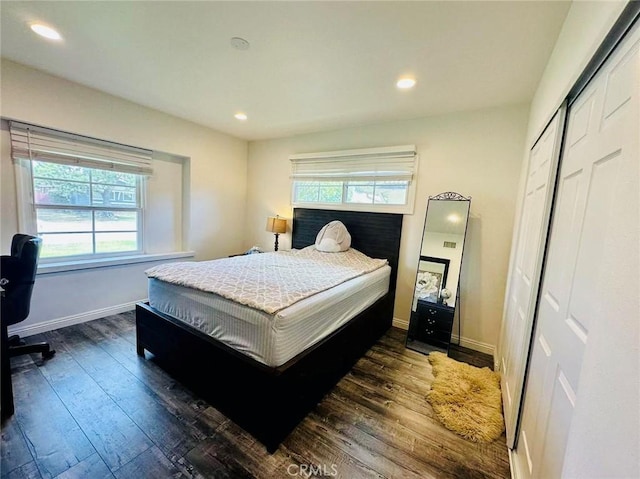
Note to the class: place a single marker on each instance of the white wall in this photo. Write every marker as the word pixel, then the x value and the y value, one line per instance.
pixel 476 153
pixel 586 25
pixel 213 220
pixel 164 206
pixel 597 410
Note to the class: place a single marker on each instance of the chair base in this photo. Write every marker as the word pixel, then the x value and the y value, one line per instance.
pixel 6 386
pixel 18 347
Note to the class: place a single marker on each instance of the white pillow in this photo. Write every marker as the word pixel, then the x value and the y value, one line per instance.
pixel 333 238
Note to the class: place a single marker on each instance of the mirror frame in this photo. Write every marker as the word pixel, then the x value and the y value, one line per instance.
pixel 412 336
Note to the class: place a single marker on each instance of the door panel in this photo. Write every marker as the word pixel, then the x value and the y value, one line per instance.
pixel 524 279
pixel 563 401
pixel 601 154
pixel 585 296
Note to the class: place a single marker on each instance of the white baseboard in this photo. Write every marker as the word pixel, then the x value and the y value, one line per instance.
pixel 473 344
pixel 401 323
pixel 58 323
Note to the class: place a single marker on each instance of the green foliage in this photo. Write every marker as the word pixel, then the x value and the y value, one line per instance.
pixel 318 192
pixel 70 185
pixel 330 192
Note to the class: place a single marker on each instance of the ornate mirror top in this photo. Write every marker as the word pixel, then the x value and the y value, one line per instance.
pixel 450 195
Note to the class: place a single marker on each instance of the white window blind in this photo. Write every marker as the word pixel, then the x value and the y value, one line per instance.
pixel 396 163
pixel 30 142
pixel 371 179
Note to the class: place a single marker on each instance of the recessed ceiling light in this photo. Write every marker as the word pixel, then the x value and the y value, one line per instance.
pixel 241 116
pixel 453 218
pixel 406 83
pixel 45 31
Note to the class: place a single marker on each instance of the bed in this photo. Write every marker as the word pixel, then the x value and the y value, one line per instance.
pixel 269 401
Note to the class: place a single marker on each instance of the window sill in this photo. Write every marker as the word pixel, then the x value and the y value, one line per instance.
pixel 46 268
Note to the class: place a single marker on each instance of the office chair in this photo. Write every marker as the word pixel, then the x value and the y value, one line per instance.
pixel 18 273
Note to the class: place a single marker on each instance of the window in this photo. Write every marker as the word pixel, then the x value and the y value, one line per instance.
pixel 377 179
pixel 354 192
pixel 85 211
pixel 85 196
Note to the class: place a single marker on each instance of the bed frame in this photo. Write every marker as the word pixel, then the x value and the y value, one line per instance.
pixel 265 401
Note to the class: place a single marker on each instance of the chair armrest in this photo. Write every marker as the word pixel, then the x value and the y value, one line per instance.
pixel 8 270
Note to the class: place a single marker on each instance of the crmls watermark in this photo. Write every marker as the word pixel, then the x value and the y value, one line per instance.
pixel 315 470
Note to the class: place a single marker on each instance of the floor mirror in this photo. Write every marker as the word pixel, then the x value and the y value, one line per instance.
pixel 437 286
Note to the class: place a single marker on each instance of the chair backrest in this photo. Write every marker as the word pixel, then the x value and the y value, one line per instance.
pixel 19 270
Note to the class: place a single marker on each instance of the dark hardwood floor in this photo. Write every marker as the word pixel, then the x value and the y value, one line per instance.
pixel 466 355
pixel 97 410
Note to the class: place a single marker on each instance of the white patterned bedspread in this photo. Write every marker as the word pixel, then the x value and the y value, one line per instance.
pixel 269 281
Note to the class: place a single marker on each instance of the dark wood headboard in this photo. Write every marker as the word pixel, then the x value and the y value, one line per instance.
pixel 375 234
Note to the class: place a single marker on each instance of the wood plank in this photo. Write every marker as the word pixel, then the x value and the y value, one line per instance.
pixel 396 350
pixel 428 430
pixel 27 471
pixel 212 458
pixel 235 444
pixel 137 403
pixel 385 389
pixel 395 340
pixel 308 447
pixel 399 361
pixel 427 458
pixel 125 324
pixel 177 399
pixel 469 356
pixel 14 452
pixel 152 464
pixel 54 438
pixel 112 432
pixel 192 412
pixel 394 378
pixel 390 462
pixel 92 467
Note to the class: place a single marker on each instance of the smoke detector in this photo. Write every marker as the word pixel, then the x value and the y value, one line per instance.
pixel 239 43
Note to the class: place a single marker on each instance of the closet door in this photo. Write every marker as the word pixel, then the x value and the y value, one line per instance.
pixel 588 310
pixel 524 276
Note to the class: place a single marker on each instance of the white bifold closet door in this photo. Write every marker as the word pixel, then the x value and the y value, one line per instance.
pixel 580 410
pixel 525 269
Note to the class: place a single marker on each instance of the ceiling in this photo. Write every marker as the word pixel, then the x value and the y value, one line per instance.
pixel 311 66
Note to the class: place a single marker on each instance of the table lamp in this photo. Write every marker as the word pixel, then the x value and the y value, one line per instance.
pixel 277 226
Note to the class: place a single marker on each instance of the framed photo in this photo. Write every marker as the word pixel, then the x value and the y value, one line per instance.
pixel 432 277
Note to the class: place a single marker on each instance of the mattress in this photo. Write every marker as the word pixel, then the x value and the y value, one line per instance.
pixel 272 339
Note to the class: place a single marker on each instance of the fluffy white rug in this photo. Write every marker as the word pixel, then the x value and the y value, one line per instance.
pixel 466 399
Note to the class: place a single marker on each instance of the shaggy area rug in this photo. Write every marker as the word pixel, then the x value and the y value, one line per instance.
pixel 466 399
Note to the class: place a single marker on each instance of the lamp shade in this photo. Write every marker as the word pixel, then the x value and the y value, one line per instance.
pixel 276 225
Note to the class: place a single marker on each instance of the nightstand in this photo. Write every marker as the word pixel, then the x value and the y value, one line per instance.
pixel 430 327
